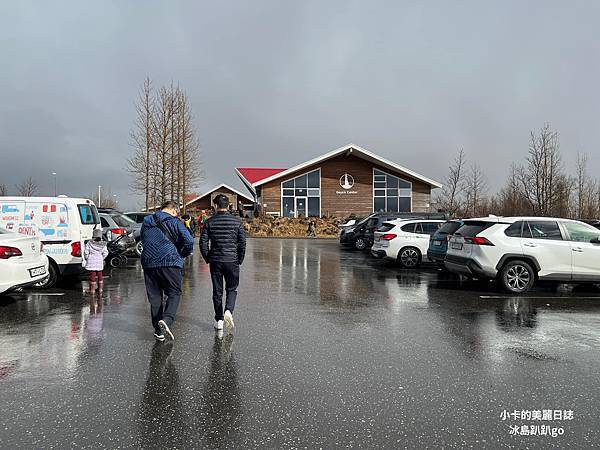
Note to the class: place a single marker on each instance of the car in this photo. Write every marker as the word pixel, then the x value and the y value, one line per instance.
pixel 349 223
pixel 115 224
pixel 518 251
pixel 361 235
pixel 22 261
pixel 438 244
pixel 404 241
pixel 63 224
pixel 138 217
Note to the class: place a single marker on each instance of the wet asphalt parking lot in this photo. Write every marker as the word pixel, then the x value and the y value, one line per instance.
pixel 332 349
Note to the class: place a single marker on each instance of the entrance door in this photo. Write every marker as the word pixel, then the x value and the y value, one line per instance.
pixel 301 206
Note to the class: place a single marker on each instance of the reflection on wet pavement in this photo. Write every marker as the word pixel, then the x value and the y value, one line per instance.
pixel 332 349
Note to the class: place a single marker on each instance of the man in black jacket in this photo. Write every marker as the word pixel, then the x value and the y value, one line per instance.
pixel 223 246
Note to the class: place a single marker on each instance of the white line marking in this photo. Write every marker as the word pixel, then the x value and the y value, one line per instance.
pixel 538 298
pixel 48 293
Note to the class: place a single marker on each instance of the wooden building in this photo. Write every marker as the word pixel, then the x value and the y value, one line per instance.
pixel 348 180
pixel 237 200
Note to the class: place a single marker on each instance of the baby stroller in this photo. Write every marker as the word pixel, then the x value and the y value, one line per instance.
pixel 117 249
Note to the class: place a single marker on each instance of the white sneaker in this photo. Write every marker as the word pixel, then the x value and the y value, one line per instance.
pixel 229 320
pixel 165 329
pixel 218 324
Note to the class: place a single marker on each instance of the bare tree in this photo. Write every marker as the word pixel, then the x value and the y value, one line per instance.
pixel 450 198
pixel 585 190
pixel 542 173
pixel 27 188
pixel 143 139
pixel 3 190
pixel 475 186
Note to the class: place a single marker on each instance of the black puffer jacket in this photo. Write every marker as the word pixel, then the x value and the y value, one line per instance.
pixel 223 239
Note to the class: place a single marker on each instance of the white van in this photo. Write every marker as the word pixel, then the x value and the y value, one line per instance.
pixel 63 225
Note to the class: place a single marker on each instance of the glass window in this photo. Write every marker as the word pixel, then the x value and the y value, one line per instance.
pixel 449 227
pixel 104 222
pixel 408 228
pixel 472 227
pixel 545 230
pixel 379 204
pixel 386 227
pixel 301 181
pixel 88 214
pixel 391 187
pixel 392 204
pixel 419 228
pixel 314 206
pixel 514 230
pixel 314 180
pixel 288 206
pixel 430 227
pixel 305 185
pixel 581 232
pixel 404 204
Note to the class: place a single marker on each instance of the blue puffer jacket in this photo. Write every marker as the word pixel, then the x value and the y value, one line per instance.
pixel 159 251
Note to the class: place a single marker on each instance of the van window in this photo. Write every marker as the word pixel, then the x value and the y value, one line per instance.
pixel 88 214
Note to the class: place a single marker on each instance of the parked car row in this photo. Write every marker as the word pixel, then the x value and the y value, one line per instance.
pixel 41 238
pixel 515 251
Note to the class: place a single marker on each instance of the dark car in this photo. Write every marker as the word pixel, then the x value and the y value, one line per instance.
pixel 360 236
pixel 438 244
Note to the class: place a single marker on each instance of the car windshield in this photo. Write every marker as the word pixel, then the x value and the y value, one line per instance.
pixel 449 228
pixel 122 220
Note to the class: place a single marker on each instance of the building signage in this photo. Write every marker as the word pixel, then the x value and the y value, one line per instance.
pixel 347 183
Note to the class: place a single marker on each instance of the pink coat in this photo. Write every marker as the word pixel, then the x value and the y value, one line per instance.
pixel 94 254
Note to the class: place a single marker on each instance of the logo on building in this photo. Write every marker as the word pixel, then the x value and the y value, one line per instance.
pixel 346 181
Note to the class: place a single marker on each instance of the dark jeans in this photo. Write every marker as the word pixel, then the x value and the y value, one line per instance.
pixel 230 272
pixel 163 281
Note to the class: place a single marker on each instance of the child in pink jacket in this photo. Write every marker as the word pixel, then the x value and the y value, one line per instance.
pixel 94 253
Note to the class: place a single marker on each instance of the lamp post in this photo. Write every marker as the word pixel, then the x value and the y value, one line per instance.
pixel 55 190
pixel 99 201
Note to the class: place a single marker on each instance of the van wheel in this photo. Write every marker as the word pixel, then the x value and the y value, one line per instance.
pixel 360 243
pixel 50 280
pixel 517 277
pixel 409 257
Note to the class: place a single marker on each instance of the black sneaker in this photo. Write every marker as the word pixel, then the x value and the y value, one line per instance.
pixel 165 329
pixel 159 336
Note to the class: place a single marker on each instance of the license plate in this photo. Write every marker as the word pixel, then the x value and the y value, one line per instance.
pixel 37 271
pixel 456 246
pixel 438 243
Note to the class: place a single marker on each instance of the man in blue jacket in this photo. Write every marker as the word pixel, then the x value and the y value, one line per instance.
pixel 223 246
pixel 166 243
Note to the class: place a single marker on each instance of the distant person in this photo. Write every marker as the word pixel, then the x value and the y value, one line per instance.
pixel 94 253
pixel 189 223
pixel 312 229
pixel 166 243
pixel 223 247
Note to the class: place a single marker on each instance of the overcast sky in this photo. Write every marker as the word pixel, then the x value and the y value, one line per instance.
pixel 274 83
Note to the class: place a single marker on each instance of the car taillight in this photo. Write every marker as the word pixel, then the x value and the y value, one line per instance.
pixel 9 252
pixel 118 231
pixel 76 249
pixel 388 237
pixel 478 240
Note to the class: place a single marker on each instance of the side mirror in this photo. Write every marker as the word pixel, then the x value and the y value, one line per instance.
pixel 595 240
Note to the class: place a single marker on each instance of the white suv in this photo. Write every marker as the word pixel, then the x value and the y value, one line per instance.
pixel 405 241
pixel 520 250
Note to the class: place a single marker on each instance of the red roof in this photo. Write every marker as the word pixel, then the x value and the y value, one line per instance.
pixel 254 175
